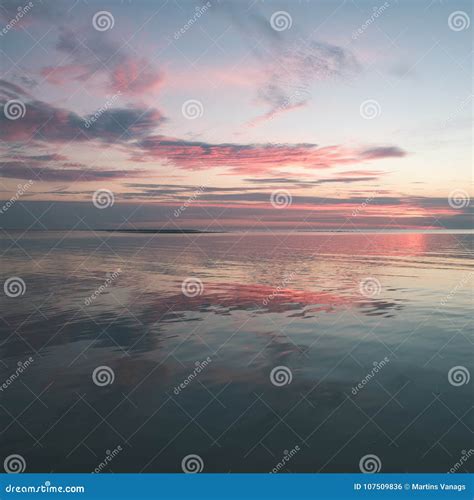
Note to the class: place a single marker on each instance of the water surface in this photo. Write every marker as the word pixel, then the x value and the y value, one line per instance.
pixel 326 307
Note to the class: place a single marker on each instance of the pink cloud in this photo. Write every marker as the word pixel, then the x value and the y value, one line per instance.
pixel 105 60
pixel 252 159
pixel 61 74
pixel 134 76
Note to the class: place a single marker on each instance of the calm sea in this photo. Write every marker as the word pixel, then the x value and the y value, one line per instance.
pixel 297 352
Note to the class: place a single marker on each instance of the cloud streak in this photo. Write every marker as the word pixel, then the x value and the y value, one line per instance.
pixel 255 159
pixel 36 172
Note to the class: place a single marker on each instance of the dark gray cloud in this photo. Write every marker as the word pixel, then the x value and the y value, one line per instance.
pixel 68 215
pixel 383 152
pixel 22 170
pixel 302 183
pixel 44 122
pixel 10 90
pixel 46 157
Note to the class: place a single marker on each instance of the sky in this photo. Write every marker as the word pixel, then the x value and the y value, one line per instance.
pixel 236 114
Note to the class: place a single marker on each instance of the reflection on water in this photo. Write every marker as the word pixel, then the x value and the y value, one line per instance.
pixel 301 301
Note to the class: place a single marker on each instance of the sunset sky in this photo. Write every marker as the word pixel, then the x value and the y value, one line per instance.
pixel 356 114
